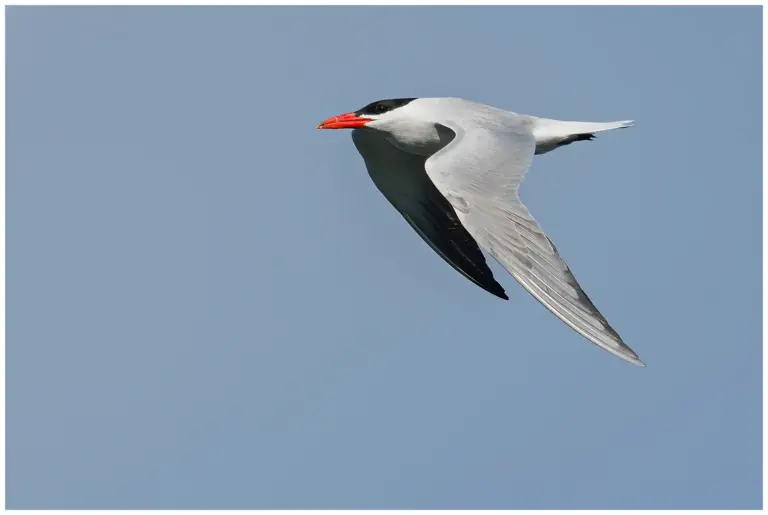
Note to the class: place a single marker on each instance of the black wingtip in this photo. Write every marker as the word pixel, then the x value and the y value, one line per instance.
pixel 500 293
pixel 493 288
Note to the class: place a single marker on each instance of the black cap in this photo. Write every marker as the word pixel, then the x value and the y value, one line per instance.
pixel 382 106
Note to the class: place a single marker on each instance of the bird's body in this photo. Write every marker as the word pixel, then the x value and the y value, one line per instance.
pixel 453 168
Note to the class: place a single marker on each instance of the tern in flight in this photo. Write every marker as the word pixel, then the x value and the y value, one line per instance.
pixel 453 168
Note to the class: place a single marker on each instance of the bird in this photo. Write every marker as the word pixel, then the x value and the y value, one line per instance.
pixel 453 169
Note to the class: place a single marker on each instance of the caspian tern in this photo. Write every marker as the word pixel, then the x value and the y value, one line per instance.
pixel 453 168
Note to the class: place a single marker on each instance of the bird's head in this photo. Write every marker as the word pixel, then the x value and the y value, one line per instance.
pixel 379 111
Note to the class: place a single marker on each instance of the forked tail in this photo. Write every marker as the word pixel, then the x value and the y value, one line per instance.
pixel 551 134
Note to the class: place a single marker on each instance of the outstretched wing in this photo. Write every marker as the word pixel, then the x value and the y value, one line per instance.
pixel 481 171
pixel 402 179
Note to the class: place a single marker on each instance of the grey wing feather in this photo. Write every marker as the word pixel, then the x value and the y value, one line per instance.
pixel 482 169
pixel 401 178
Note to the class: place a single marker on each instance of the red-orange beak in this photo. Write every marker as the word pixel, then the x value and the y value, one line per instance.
pixel 344 121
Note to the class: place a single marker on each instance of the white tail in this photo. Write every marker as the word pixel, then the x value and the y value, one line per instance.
pixel 551 134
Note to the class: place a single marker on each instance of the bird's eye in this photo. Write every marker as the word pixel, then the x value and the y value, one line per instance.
pixel 381 108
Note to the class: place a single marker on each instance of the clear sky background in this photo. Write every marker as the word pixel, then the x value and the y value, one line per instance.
pixel 211 306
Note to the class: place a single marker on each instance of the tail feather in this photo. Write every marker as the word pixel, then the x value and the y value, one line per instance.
pixel 551 134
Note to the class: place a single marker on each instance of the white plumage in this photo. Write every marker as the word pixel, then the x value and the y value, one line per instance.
pixel 453 169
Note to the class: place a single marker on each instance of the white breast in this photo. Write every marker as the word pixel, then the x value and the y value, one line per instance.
pixel 414 136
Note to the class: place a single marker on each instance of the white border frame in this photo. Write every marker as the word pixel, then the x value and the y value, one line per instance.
pixel 348 2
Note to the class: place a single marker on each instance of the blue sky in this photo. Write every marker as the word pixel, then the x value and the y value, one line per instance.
pixel 209 305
